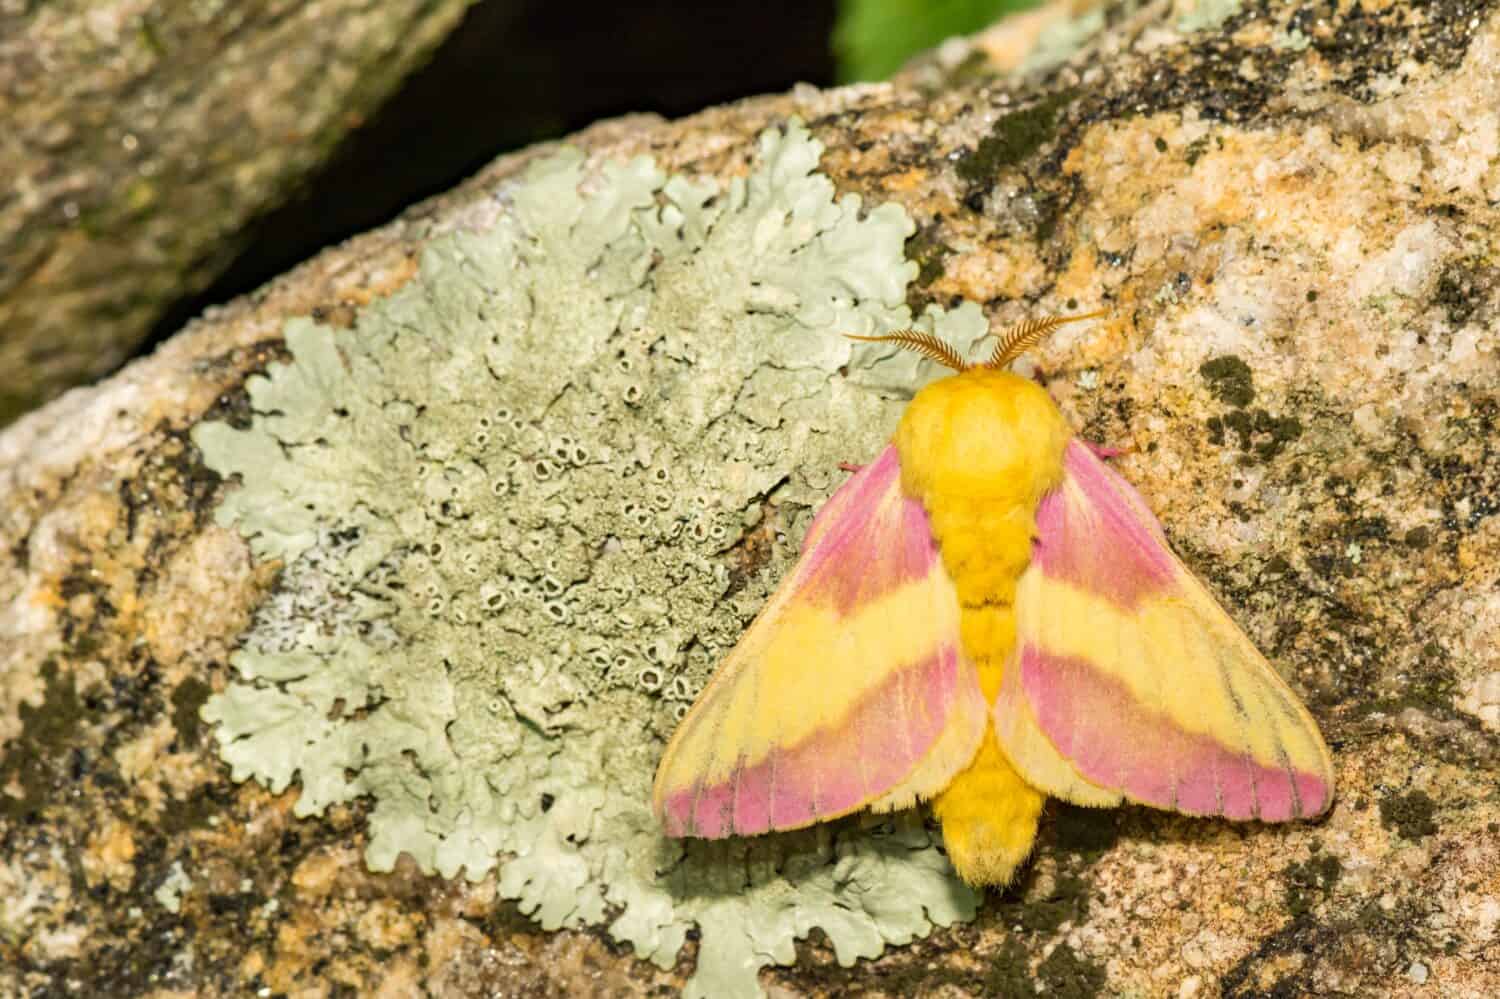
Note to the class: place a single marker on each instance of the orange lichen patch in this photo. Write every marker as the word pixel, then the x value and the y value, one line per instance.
pixel 1102 343
pixel 913 181
pixel 48 597
pixel 372 284
pixel 400 979
pixel 1081 277
pixel 316 875
pixel 984 274
pixel 302 939
pixel 179 620
pixel 314 953
pixel 1205 181
pixel 109 855
pixel 385 926
pixel 253 965
pixel 1479 554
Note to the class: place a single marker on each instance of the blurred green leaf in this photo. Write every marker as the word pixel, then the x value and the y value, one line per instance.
pixel 874 37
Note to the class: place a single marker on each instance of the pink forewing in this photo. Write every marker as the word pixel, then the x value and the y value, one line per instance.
pixel 1095 532
pixel 1096 535
pixel 868 539
pixel 868 542
pixel 819 777
pixel 1148 755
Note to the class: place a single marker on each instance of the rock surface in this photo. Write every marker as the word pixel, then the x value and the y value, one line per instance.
pixel 141 138
pixel 1290 212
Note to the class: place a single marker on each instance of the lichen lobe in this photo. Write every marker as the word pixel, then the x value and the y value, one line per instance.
pixel 489 560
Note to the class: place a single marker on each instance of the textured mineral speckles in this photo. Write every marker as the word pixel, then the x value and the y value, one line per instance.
pixel 1481 699
pixel 1320 212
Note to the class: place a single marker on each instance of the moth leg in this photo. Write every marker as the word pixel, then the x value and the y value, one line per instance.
pixel 1104 450
pixel 849 466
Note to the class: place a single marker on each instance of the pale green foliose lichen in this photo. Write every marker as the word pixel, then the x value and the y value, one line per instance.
pixel 507 504
pixel 1208 14
pixel 1060 39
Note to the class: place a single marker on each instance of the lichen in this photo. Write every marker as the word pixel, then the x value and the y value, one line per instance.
pixel 1013 137
pixel 508 506
pixel 1409 814
pixel 1060 39
pixel 1230 380
pixel 1310 880
pixel 169 893
pixel 1207 15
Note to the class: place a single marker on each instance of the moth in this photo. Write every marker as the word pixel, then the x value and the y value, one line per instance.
pixel 985 615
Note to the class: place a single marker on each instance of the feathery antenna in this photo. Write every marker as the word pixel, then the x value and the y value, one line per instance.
pixel 925 344
pixel 1025 334
pixel 1012 342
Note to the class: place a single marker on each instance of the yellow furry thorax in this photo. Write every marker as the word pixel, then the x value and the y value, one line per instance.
pixel 980 449
pixel 983 434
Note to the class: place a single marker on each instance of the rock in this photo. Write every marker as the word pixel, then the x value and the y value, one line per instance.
pixel 1291 218
pixel 143 138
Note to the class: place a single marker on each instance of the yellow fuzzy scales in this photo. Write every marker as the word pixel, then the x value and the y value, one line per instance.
pixel 979 450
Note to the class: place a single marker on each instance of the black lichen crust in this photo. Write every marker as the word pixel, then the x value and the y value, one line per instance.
pixel 1410 814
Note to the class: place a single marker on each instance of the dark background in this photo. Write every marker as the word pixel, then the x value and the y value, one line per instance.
pixel 518 71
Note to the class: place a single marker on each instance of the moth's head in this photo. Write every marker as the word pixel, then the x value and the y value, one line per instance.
pixel 983 433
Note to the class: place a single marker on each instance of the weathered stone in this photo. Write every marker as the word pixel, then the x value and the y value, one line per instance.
pixel 1309 192
pixel 140 139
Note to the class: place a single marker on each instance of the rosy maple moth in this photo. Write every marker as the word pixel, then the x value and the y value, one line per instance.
pixel 985 615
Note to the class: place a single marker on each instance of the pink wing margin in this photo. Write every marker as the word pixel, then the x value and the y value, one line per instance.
pixel 1157 695
pixel 741 763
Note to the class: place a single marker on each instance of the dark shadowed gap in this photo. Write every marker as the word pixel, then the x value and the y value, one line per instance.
pixel 516 72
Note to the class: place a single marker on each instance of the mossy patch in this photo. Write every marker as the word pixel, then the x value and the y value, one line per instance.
pixel 1418 538
pixel 187 700
pixel 1257 432
pixel 929 253
pixel 1410 814
pixel 1431 692
pixel 35 761
pixel 1009 973
pixel 1013 138
pixel 1194 150
pixel 1308 881
pixel 180 815
pixel 1463 286
pixel 1067 975
pixel 1230 380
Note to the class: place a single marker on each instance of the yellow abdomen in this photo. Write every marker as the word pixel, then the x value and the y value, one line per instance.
pixel 979 450
pixel 989 814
